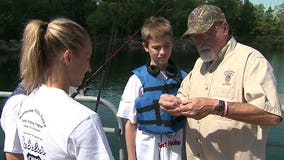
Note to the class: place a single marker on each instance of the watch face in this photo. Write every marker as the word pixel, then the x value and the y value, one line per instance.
pixel 220 108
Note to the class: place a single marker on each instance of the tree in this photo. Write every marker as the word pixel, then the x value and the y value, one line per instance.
pixel 231 8
pixel 100 20
pixel 280 17
pixel 247 19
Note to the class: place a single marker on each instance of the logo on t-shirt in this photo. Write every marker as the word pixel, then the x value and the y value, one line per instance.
pixel 32 157
pixel 31 125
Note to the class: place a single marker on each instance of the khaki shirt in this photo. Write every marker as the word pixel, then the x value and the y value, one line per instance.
pixel 241 74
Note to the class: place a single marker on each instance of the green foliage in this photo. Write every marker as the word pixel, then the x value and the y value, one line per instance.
pixel 247 19
pixel 100 21
pixel 279 10
pixel 248 22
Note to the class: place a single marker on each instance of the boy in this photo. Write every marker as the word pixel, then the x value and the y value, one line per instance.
pixel 150 132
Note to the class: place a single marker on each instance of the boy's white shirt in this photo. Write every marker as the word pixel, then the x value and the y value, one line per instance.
pixel 132 91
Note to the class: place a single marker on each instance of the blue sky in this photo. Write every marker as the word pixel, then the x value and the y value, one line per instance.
pixel 268 3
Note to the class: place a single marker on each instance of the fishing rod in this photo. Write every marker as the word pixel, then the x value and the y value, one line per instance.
pixel 111 39
pixel 87 80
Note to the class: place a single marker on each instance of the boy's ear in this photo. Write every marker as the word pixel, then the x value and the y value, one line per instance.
pixel 145 46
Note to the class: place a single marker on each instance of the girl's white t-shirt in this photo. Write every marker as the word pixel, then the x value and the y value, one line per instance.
pixel 53 126
pixel 9 117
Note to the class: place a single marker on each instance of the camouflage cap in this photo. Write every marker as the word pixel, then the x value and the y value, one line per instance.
pixel 202 18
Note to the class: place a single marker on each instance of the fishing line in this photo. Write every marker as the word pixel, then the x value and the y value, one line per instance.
pixel 112 38
pixel 88 80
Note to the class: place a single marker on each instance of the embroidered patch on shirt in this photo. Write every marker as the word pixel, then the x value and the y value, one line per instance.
pixel 228 76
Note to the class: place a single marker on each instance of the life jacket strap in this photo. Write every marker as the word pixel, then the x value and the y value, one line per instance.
pixel 160 122
pixel 162 88
pixel 158 119
pixel 149 107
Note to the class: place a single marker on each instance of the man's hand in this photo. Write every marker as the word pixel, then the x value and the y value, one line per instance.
pixel 198 108
pixel 170 103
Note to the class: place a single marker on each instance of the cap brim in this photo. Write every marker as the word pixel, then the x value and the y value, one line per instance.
pixel 186 34
pixel 196 30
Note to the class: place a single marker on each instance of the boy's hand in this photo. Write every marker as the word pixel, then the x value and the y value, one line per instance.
pixel 170 104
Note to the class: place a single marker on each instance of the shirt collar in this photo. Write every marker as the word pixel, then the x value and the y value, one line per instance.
pixel 230 45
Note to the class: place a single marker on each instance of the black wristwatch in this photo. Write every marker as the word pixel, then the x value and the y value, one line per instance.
pixel 220 108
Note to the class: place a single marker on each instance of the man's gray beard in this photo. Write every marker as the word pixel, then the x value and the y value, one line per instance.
pixel 208 56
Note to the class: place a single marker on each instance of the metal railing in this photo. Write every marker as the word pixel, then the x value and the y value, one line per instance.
pixel 281 97
pixel 116 131
pixel 120 130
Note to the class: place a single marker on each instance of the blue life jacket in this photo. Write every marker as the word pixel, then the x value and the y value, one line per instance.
pixel 20 89
pixel 150 117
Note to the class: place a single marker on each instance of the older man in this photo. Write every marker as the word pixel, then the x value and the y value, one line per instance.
pixel 230 97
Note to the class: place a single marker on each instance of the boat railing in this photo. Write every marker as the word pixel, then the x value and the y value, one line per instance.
pixel 120 130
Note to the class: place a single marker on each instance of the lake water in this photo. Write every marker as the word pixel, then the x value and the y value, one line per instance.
pixel 118 72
